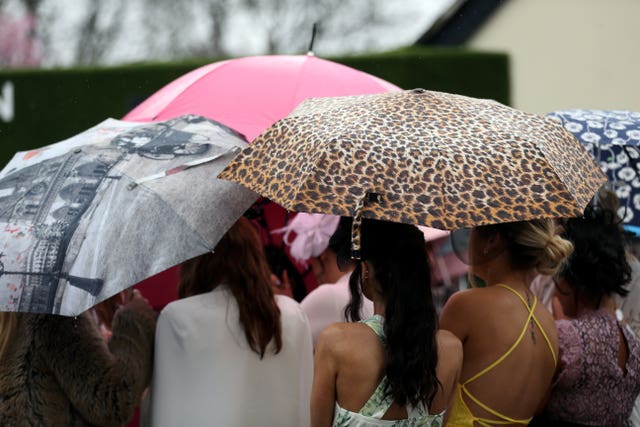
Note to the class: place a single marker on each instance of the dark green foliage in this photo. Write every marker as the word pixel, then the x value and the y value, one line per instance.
pixel 51 105
pixel 453 70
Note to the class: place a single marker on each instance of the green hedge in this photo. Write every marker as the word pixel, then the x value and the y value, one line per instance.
pixel 50 105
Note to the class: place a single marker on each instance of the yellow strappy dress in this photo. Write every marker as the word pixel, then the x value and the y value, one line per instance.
pixel 461 415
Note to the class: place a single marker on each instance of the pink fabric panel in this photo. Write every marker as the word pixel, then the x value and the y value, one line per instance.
pixel 250 94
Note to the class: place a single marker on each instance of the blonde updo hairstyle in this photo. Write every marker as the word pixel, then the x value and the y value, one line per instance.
pixel 533 244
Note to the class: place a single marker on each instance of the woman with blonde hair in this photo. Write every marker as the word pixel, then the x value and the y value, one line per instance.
pixel 229 352
pixel 510 343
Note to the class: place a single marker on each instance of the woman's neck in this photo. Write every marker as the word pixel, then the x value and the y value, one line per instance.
pixel 499 271
pixel 607 303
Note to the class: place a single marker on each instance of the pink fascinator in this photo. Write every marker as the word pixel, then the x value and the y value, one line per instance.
pixel 312 234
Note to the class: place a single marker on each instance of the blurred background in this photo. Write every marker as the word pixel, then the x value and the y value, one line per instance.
pixel 93 32
pixel 66 65
pixel 563 52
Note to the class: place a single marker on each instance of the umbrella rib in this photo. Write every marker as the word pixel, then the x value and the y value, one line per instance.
pixel 442 184
pixel 94 264
pixel 541 149
pixel 180 168
pixel 311 165
pixel 146 188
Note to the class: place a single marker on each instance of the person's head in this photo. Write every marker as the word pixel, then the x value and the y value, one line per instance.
pixel 524 245
pixel 598 266
pixel 311 244
pixel 607 199
pixel 325 267
pixel 340 245
pixel 394 271
pixel 238 262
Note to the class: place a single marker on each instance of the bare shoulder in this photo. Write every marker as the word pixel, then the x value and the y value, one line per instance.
pixel 472 300
pixel 336 334
pixel 448 342
pixel 464 309
pixel 460 306
pixel 462 298
pixel 340 338
pixel 449 347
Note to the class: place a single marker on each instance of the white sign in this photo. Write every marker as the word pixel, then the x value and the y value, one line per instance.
pixel 6 102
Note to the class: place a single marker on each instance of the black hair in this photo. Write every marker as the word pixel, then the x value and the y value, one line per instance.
pixel 598 266
pixel 398 255
pixel 341 238
pixel 340 243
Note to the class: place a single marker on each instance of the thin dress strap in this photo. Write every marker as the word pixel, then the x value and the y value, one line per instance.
pixel 379 402
pixel 503 419
pixel 535 319
pixel 376 323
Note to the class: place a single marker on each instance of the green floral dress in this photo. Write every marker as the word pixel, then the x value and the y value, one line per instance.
pixel 371 413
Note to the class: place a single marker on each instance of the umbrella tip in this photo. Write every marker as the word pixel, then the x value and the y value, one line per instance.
pixel 314 30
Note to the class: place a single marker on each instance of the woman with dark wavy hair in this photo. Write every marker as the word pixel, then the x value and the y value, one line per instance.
pixel 599 370
pixel 395 368
pixel 229 352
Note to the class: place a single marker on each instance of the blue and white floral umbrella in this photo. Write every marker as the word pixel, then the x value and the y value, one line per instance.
pixel 613 138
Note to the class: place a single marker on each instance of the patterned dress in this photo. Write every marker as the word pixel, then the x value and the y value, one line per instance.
pixel 372 412
pixel 591 388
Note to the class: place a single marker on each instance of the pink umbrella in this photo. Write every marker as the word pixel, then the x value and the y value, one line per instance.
pixel 250 94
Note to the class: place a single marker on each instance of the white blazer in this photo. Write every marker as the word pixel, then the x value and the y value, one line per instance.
pixel 205 373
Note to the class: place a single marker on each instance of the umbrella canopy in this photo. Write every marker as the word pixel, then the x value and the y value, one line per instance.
pixel 90 216
pixel 613 139
pixel 250 94
pixel 420 157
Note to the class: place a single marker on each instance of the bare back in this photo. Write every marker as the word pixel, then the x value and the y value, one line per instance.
pixel 360 363
pixel 489 321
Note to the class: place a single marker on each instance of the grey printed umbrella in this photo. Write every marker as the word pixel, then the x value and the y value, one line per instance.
pixel 88 217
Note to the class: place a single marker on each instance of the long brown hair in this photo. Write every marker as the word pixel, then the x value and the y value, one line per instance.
pixel 238 261
pixel 8 323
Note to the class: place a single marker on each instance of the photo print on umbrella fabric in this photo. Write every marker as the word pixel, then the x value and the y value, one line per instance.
pixel 48 207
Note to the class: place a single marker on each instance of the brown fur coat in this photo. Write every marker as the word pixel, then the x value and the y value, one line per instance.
pixel 58 371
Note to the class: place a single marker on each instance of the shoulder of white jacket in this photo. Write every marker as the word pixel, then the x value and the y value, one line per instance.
pixel 289 307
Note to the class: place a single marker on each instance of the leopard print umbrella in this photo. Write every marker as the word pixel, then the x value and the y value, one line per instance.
pixel 429 158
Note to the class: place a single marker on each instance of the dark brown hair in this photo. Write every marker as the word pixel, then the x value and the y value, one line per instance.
pixel 400 264
pixel 238 262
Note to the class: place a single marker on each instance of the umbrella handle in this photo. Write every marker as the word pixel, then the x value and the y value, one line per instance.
pixel 357 223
